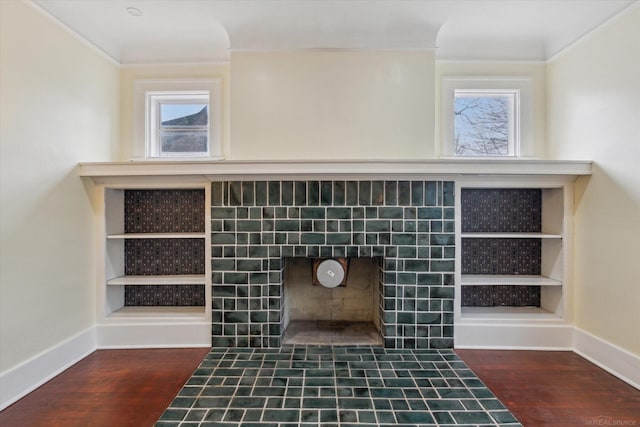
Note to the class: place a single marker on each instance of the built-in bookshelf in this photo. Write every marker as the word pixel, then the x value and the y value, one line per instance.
pixel 156 274
pixel 511 268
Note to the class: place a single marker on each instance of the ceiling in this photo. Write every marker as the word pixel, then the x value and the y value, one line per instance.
pixel 173 31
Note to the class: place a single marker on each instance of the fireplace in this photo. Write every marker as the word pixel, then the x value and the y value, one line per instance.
pixel 338 315
pixel 406 228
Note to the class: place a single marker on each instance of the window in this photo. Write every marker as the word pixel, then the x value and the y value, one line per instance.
pixel 178 124
pixel 177 119
pixel 485 122
pixel 486 117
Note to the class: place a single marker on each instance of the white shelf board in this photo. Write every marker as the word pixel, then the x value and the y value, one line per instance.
pixel 510 236
pixel 506 313
pixel 185 279
pixel 149 312
pixel 157 236
pixel 519 280
pixel 332 168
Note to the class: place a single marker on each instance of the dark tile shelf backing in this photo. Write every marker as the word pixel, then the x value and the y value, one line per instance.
pixel 501 256
pixel 501 296
pixel 408 225
pixel 516 210
pixel 164 211
pixel 158 257
pixel 164 295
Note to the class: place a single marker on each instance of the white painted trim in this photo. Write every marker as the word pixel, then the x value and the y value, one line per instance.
pixel 491 61
pixel 135 334
pixel 73 33
pixel 521 145
pixel 142 115
pixel 613 359
pixel 21 380
pixel 207 63
pixel 513 336
pixel 454 168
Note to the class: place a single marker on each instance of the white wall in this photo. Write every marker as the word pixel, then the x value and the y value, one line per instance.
pixel 593 102
pixel 332 105
pixel 59 105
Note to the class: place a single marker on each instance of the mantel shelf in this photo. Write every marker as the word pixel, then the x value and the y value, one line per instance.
pixel 212 170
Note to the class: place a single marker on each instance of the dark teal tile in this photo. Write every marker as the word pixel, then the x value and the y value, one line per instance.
pixel 274 193
pixel 300 193
pixel 448 196
pixel 364 193
pixel 444 266
pixel 235 193
pixel 399 405
pixel 283 415
pixel 328 416
pixel 352 193
pixel 471 417
pixel 366 417
pixel 417 193
pixel 377 226
pixel 431 193
pixel 319 403
pixel 286 193
pixel 503 417
pixel 404 193
pixel 403 239
pixel 430 213
pixel 415 417
pixel 173 414
pixel 443 418
pixel 338 238
pixel 287 225
pixel 326 193
pixel 391 193
pixel 248 193
pixel 339 193
pixel 223 213
pixel 416 265
pixel 338 213
pixel 313 193
pixel 354 403
pixel 312 238
pixel 442 239
pixel 377 193
pixel 312 213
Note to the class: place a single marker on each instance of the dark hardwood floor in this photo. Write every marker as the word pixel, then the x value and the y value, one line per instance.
pixel 108 388
pixel 133 387
pixel 549 388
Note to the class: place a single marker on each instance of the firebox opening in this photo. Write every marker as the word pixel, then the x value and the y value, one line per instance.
pixel 348 315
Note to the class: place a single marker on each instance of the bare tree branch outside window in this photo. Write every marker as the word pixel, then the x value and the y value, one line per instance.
pixel 482 125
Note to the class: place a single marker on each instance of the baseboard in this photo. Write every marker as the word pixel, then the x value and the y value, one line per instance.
pixel 26 377
pixel 613 359
pixel 154 335
pixel 513 337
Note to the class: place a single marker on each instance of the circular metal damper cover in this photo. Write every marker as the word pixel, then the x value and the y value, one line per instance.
pixel 330 273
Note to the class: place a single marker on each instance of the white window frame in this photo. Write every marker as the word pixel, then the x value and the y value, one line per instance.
pixel 148 93
pixel 521 142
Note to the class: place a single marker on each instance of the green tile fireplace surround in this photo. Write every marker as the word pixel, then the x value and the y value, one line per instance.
pixel 408 217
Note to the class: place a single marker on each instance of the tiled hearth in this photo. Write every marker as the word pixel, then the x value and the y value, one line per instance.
pixel 334 386
pixel 408 226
